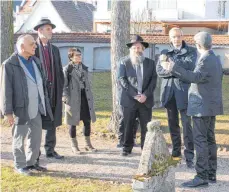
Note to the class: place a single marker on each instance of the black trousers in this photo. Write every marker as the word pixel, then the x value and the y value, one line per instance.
pixel 50 140
pixel 121 126
pixel 86 129
pixel 144 114
pixel 173 121
pixel 205 145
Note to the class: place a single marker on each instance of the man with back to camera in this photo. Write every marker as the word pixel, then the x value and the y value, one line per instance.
pixel 204 103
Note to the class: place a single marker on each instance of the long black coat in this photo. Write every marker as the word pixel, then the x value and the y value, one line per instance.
pixel 172 85
pixel 128 82
pixel 59 84
pixel 205 92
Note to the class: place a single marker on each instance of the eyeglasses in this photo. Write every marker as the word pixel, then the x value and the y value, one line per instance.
pixel 79 54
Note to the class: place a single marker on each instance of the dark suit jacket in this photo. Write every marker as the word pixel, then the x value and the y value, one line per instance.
pixel 205 92
pixel 128 82
pixel 59 84
pixel 171 85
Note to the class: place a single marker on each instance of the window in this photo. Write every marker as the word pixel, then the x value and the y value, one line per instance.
pixel 108 5
pixel 166 4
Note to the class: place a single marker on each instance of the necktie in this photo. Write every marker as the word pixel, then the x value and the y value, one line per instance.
pixel 139 78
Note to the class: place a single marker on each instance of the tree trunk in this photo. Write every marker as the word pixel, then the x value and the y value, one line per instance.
pixel 120 35
pixel 7 31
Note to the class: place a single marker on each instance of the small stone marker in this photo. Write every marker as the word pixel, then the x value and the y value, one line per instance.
pixel 155 172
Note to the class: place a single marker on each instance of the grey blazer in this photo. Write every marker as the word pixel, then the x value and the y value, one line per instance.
pixel 205 92
pixel 35 92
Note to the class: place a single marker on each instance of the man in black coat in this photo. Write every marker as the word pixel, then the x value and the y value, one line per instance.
pixel 174 93
pixel 137 77
pixel 204 103
pixel 52 68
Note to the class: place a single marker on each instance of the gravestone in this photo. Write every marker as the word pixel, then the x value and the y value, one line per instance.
pixel 156 171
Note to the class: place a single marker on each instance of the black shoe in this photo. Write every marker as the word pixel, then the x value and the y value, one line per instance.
pixel 177 155
pixel 212 179
pixel 190 164
pixel 119 145
pixel 125 153
pixel 23 171
pixel 54 155
pixel 36 168
pixel 196 182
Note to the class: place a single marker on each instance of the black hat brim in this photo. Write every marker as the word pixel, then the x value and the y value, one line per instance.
pixel 145 44
pixel 39 25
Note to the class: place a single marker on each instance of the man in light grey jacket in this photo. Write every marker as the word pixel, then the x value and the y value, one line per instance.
pixel 23 101
pixel 204 103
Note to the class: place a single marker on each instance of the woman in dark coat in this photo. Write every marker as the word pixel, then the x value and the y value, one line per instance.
pixel 78 99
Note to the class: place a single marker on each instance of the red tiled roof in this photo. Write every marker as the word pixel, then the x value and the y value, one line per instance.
pixel 105 38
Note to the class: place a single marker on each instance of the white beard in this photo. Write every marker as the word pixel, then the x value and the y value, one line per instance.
pixel 136 59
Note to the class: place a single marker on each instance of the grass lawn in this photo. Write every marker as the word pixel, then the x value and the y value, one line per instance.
pixel 103 105
pixel 12 182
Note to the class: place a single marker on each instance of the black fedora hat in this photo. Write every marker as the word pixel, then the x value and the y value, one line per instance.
pixel 137 39
pixel 42 22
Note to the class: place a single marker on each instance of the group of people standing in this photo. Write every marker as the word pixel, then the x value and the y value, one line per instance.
pixel 34 85
pixel 191 86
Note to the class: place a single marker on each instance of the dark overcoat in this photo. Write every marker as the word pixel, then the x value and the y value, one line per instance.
pixel 171 85
pixel 59 83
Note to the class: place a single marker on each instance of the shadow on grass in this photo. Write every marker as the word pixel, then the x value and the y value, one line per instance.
pixel 103 116
pixel 222 131
pixel 223 121
pixel 85 175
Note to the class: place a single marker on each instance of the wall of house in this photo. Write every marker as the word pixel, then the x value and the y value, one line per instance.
pixel 101 13
pixel 212 10
pixel 96 56
pixel 193 31
pixel 165 9
pixel 44 9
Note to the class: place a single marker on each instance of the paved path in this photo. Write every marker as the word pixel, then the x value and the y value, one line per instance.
pixel 107 164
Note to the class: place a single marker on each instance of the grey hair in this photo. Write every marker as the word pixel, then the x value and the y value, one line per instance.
pixel 204 40
pixel 21 40
pixel 175 29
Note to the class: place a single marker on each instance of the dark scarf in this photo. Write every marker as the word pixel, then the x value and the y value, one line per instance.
pixel 78 68
pixel 51 85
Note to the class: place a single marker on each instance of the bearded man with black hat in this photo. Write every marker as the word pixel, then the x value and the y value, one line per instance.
pixel 52 68
pixel 137 77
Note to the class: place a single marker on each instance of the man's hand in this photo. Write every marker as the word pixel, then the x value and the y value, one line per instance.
pixel 137 97
pixel 170 66
pixel 65 99
pixel 165 65
pixel 142 98
pixel 10 119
